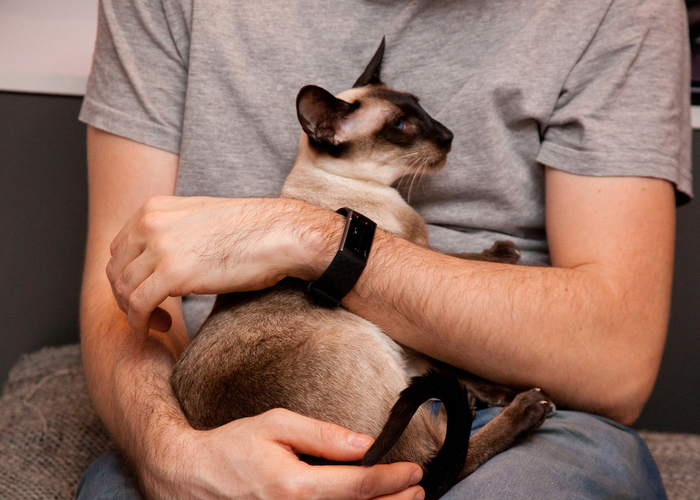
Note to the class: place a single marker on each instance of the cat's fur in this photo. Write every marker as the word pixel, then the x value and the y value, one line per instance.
pixel 277 348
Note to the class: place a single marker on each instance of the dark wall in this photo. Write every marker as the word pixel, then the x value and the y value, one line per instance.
pixel 42 232
pixel 43 206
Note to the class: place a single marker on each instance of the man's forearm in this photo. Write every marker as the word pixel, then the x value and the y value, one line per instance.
pixel 565 330
pixel 128 381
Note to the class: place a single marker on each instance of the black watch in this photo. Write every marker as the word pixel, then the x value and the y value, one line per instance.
pixel 347 265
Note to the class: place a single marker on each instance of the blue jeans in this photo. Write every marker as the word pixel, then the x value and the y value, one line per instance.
pixel 572 456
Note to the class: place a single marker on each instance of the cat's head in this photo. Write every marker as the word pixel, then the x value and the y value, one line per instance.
pixel 372 132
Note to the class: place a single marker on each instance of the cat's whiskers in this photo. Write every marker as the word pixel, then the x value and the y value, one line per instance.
pixel 419 165
pixel 404 175
pixel 409 170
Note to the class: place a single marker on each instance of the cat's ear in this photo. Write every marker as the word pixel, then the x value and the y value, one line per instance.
pixel 371 74
pixel 321 113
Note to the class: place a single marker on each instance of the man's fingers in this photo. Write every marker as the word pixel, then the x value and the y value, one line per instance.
pixel 127 261
pixel 360 483
pixel 313 437
pixel 161 320
pixel 141 221
pixel 134 237
pixel 321 439
pixel 120 303
pixel 123 250
pixel 412 493
pixel 130 278
pixel 140 288
pixel 123 233
pixel 142 302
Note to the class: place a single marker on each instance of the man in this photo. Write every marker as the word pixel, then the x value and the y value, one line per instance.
pixel 571 139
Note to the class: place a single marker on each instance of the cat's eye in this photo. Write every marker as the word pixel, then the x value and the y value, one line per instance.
pixel 400 123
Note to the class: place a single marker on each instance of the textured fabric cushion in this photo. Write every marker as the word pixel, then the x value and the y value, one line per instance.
pixel 678 458
pixel 49 433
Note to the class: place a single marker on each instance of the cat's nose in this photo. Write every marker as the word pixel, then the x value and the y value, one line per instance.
pixel 444 136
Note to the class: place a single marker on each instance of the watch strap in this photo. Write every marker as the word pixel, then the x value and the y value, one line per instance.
pixel 346 267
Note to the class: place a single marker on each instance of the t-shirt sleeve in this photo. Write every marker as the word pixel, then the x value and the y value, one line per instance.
pixel 138 80
pixel 624 109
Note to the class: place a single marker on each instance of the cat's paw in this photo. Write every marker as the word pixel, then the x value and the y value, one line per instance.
pixel 506 252
pixel 529 410
pixel 488 395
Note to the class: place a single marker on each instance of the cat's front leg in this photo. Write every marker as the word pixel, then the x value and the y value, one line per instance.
pixel 504 252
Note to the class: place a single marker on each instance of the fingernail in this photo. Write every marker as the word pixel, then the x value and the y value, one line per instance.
pixel 416 477
pixel 359 440
pixel 420 495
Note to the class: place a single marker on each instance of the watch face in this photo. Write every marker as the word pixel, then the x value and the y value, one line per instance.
pixel 359 236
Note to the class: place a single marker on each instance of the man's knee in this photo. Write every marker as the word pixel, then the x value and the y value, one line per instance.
pixel 573 455
pixel 107 478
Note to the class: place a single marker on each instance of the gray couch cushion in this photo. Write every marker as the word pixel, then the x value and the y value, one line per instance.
pixel 49 433
pixel 678 458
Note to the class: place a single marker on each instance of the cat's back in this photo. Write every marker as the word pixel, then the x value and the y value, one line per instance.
pixel 277 348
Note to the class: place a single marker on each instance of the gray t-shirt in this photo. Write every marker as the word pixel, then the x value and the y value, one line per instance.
pixel 594 88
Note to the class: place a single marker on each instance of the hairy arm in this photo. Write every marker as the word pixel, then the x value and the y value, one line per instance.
pixel 128 375
pixel 589 330
pixel 127 380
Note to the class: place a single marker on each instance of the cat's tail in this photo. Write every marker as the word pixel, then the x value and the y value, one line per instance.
pixel 443 470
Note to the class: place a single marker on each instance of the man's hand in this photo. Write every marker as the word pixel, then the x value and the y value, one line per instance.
pixel 257 458
pixel 175 246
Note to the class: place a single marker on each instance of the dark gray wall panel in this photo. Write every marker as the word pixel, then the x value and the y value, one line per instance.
pixel 43 203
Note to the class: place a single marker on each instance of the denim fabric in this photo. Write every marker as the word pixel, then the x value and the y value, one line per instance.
pixel 108 478
pixel 572 456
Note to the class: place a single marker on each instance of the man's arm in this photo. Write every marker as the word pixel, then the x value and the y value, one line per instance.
pixel 127 381
pixel 590 330
pixel 128 378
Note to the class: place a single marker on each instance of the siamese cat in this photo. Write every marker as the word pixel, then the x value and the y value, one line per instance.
pixel 278 348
